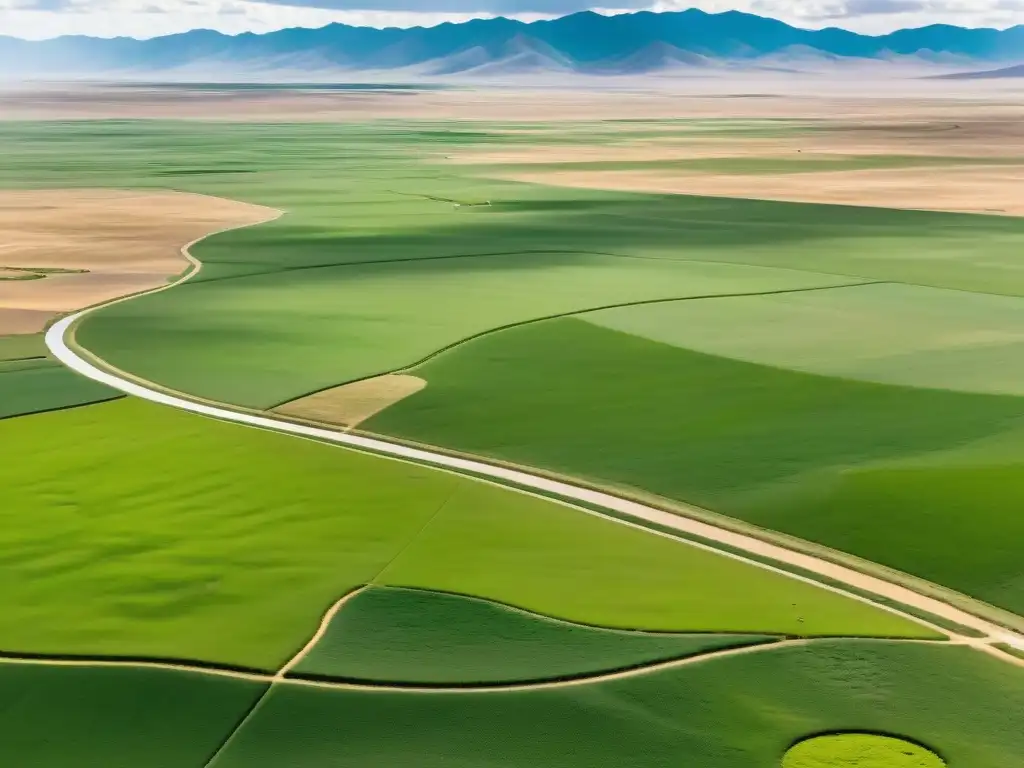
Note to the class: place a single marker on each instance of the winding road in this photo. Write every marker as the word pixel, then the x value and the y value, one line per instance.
pixel 58 340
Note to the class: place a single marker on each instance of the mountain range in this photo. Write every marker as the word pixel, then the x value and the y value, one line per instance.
pixel 586 42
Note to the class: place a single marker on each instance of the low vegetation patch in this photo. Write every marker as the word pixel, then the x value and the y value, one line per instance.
pixel 22 346
pixel 351 404
pixel 864 468
pixel 248 538
pixel 38 384
pixel 409 637
pixel 100 717
pixel 860 750
pixel 742 711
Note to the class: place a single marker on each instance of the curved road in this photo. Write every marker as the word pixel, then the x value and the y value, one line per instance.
pixel 57 340
pixel 61 333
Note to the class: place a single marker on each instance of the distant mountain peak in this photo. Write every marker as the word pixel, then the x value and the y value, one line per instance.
pixel 585 42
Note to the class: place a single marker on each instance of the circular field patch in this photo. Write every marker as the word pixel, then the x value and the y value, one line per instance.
pixel 860 750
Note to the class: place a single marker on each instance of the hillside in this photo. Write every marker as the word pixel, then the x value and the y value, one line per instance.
pixel 582 42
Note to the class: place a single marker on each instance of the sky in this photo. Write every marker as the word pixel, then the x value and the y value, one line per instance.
pixel 37 19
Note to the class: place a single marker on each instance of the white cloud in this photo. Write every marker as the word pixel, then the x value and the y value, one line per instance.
pixel 150 18
pixel 869 16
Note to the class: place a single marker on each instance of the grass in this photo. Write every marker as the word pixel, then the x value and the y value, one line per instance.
pixel 560 562
pixel 738 712
pixel 209 339
pixel 35 385
pixel 361 193
pixel 408 637
pixel 162 534
pixel 860 750
pixel 893 334
pixel 116 717
pixel 157 533
pixel 866 468
pixel 22 346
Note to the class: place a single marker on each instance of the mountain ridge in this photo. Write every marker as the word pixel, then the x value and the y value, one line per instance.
pixel 584 42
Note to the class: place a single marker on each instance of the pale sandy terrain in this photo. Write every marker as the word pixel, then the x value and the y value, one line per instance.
pixel 867 97
pixel 125 241
pixel 966 184
pixel 992 190
pixel 987 138
pixel 351 404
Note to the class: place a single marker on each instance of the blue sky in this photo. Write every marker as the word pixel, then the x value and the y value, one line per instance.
pixel 147 18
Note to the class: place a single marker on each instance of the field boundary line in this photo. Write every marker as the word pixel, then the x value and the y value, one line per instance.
pixel 58 335
pixel 275 679
pixel 55 339
pixel 855 563
pixel 325 623
pixel 571 314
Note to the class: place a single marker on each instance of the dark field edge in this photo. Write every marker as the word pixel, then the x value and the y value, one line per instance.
pixel 197 665
pixel 238 725
pixel 27 364
pixel 572 313
pixel 963 602
pixel 762 644
pixel 528 252
pixel 66 407
pixel 559 620
pixel 869 732
pixel 1011 650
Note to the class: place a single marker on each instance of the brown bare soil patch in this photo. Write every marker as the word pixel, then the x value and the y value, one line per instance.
pixel 994 190
pixel 350 404
pixel 123 242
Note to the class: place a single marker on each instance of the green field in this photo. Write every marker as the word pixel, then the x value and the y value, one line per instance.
pixel 163 534
pixel 821 458
pixel 21 347
pixel 860 750
pixel 875 410
pixel 40 384
pixel 272 315
pixel 892 334
pixel 408 637
pixel 319 327
pixel 738 712
pixel 96 717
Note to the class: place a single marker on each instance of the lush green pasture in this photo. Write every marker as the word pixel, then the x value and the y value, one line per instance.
pixel 39 384
pixel 738 712
pixel 926 481
pixel 558 561
pixel 94 717
pixel 860 750
pixel 407 636
pixel 158 533
pixel 893 334
pixel 22 346
pixel 132 529
pixel 263 340
pixel 358 193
